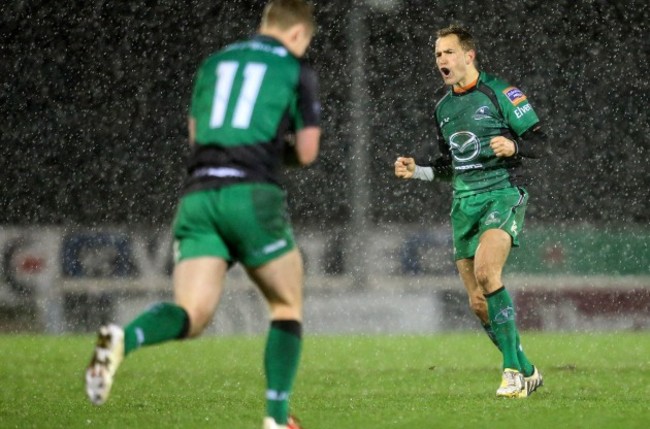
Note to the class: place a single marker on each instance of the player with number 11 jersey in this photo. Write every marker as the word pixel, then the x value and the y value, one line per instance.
pixel 247 98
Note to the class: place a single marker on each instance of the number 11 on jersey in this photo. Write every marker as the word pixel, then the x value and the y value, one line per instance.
pixel 226 71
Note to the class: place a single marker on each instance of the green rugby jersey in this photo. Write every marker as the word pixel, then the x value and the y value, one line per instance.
pixel 246 99
pixel 467 121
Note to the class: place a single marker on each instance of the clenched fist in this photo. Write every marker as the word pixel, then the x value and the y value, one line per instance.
pixel 503 147
pixel 404 167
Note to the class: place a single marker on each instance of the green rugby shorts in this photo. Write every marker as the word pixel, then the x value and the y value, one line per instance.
pixel 247 222
pixel 473 215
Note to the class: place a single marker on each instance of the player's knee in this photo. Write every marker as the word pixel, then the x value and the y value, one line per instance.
pixel 199 320
pixel 286 312
pixel 484 276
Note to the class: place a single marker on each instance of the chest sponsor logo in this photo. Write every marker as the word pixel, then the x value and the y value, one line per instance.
pixel 465 146
pixel 482 112
pixel 444 122
pixel 514 95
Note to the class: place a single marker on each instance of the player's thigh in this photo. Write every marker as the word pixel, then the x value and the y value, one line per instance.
pixel 491 256
pixel 198 283
pixel 281 282
pixel 201 257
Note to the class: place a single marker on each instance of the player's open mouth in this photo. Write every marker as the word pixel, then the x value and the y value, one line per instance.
pixel 445 71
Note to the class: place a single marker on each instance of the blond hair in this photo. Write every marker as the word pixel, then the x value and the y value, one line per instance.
pixel 284 14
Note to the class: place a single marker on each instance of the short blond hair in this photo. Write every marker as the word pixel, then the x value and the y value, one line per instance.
pixel 465 38
pixel 287 13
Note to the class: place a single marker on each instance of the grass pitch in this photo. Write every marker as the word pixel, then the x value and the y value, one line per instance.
pixel 345 382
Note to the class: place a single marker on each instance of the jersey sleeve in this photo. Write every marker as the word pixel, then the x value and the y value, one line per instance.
pixel 308 103
pixel 517 110
pixel 442 165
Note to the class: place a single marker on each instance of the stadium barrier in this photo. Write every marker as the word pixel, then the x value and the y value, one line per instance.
pixel 61 280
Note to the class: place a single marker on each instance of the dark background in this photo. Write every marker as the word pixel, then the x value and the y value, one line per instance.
pixel 94 101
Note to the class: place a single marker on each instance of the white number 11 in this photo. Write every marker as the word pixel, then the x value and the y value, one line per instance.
pixel 253 75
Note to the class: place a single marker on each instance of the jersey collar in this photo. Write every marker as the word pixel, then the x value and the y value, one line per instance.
pixel 468 88
pixel 263 38
pixel 267 39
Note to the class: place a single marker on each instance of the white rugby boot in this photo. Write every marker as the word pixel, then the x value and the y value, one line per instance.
pixel 534 381
pixel 108 354
pixel 513 385
pixel 269 423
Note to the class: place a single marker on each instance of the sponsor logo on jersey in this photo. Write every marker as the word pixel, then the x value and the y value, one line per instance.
pixel 468 167
pixel 444 122
pixel 521 111
pixel 482 112
pixel 465 146
pixel 514 95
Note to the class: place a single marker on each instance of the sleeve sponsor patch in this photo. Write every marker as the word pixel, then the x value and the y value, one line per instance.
pixel 514 95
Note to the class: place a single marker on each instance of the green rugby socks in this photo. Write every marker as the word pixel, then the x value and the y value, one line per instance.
pixel 526 367
pixel 281 358
pixel 161 322
pixel 502 320
pixel 490 333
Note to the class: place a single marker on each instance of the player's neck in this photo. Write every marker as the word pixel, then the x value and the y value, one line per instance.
pixel 467 83
pixel 273 33
pixel 286 37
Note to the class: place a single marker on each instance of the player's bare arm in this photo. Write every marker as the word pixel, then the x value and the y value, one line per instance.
pixel 191 130
pixel 503 147
pixel 307 145
pixel 404 167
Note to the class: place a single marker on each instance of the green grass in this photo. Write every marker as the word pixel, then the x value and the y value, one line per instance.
pixel 345 382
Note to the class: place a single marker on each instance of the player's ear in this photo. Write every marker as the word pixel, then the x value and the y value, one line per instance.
pixel 470 56
pixel 297 32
